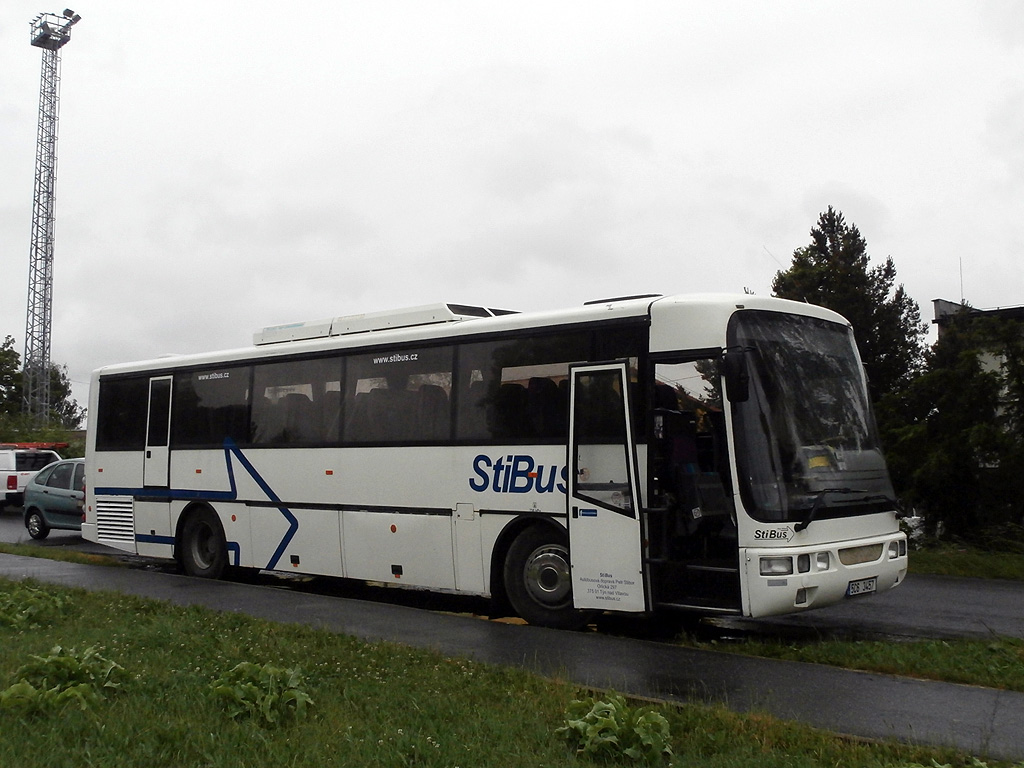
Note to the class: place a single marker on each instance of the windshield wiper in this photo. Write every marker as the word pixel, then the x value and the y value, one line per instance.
pixel 819 502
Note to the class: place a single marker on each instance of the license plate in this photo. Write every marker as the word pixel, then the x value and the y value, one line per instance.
pixel 862 587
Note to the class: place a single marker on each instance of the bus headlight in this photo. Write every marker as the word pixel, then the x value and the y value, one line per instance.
pixel 776 566
pixel 820 561
pixel 897 549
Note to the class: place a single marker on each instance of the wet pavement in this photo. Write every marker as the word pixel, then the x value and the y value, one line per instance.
pixel 981 721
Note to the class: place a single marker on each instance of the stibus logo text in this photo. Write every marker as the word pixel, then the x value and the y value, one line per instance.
pixel 773 534
pixel 516 473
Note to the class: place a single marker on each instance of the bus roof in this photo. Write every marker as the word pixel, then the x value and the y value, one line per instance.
pixel 440 321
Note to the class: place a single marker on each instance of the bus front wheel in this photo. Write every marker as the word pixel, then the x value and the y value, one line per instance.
pixel 204 549
pixel 538 580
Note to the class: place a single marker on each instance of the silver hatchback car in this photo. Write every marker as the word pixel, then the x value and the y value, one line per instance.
pixel 55 498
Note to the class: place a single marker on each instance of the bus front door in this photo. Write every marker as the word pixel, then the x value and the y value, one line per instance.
pixel 155 472
pixel 605 547
pixel 693 553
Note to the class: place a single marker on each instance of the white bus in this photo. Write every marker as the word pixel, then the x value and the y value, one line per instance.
pixel 702 453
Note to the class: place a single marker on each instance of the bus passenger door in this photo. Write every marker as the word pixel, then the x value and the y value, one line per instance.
pixel 158 426
pixel 693 554
pixel 603 503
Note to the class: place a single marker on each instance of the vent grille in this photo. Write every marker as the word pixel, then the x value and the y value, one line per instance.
pixel 115 518
pixel 865 554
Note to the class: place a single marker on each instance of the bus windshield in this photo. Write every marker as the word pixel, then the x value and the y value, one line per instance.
pixel 806 443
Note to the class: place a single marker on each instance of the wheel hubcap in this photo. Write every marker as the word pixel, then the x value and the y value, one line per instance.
pixel 547 575
pixel 202 546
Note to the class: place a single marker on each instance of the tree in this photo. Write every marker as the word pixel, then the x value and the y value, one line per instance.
pixel 10 378
pixel 65 411
pixel 834 271
pixel 953 437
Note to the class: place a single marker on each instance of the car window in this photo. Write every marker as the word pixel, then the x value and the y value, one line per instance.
pixel 60 477
pixel 79 482
pixel 41 478
pixel 32 460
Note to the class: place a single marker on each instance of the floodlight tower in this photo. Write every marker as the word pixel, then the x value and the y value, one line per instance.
pixel 50 32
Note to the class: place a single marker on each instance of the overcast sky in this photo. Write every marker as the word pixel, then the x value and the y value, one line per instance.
pixel 224 166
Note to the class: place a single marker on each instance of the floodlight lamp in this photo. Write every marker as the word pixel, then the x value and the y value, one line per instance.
pixel 68 13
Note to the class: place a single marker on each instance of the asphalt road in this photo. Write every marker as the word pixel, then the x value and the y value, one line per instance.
pixel 924 606
pixel 981 721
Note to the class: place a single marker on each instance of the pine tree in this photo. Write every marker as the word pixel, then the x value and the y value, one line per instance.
pixel 834 271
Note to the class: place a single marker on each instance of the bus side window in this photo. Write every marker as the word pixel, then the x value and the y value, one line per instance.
pixel 211 406
pixel 399 396
pixel 121 420
pixel 516 389
pixel 297 402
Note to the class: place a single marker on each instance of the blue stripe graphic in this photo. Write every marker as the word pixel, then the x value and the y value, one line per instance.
pixel 230 448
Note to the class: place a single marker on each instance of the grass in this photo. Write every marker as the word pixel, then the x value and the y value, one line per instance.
pixel 994 663
pixel 997 663
pixel 954 560
pixel 58 553
pixel 376 704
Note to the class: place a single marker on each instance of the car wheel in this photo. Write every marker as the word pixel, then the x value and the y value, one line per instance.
pixel 538 580
pixel 202 547
pixel 37 527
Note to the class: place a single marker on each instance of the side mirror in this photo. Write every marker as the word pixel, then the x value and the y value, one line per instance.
pixel 737 376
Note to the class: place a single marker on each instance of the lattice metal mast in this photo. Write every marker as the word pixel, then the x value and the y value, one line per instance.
pixel 50 32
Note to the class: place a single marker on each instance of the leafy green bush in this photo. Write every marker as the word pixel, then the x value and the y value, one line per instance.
pixel 609 728
pixel 267 693
pixel 25 607
pixel 49 683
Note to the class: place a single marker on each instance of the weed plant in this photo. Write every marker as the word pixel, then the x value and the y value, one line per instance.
pixel 26 607
pixel 47 685
pixel 376 704
pixel 610 728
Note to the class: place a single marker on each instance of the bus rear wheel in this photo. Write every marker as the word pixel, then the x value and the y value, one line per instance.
pixel 203 546
pixel 538 580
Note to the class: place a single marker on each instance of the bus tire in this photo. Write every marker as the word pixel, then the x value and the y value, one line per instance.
pixel 538 579
pixel 37 527
pixel 203 546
